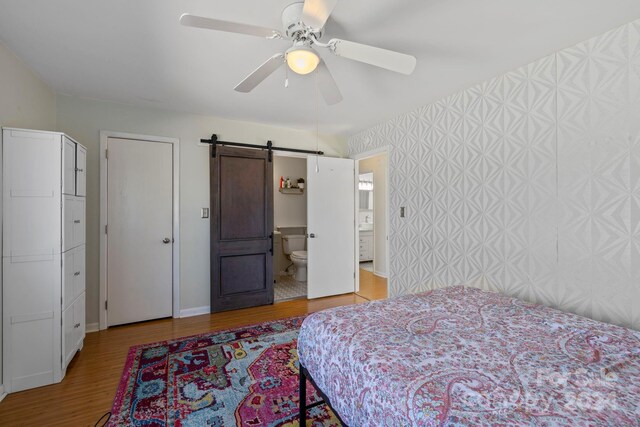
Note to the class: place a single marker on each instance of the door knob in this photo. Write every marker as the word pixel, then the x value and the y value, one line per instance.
pixel 312 236
pixel 166 240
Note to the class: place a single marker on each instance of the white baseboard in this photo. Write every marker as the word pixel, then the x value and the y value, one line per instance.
pixel 379 274
pixel 92 327
pixel 195 311
pixel 2 393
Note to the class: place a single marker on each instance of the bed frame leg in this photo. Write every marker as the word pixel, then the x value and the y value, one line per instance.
pixel 303 398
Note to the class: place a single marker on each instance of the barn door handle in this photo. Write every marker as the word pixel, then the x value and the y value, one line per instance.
pixel 271 248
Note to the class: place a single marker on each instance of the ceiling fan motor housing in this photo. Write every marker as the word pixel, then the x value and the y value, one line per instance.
pixel 293 26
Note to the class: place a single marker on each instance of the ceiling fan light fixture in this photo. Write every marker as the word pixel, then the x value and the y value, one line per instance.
pixel 302 59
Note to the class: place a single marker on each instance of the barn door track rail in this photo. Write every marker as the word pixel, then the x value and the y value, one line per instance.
pixel 214 143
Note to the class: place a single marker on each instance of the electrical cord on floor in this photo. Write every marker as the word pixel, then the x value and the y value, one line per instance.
pixel 108 415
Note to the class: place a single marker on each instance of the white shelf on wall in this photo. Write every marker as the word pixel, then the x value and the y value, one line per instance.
pixel 294 190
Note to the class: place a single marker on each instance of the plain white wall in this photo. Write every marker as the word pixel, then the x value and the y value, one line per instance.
pixel 289 210
pixel 26 102
pixel 378 166
pixel 83 119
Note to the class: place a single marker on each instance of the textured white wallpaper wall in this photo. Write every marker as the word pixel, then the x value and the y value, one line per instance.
pixel 528 184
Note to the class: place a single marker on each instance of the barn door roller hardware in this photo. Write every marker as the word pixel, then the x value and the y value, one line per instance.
pixel 214 143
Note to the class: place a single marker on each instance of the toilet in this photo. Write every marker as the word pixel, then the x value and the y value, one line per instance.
pixel 294 247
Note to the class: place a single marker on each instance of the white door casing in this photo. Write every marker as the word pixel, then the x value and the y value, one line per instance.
pixel 139 217
pixel 330 224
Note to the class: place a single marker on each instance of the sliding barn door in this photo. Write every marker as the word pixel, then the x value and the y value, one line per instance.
pixel 241 228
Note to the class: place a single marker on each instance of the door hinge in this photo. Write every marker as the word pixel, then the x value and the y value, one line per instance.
pixel 106 304
pixel 106 154
pixel 106 228
pixel 354 274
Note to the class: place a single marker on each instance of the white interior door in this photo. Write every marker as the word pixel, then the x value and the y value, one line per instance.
pixel 330 219
pixel 139 224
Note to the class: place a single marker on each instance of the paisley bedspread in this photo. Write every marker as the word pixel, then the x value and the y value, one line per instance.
pixel 462 356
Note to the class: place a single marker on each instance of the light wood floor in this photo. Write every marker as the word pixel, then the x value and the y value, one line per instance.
pixel 372 287
pixel 88 389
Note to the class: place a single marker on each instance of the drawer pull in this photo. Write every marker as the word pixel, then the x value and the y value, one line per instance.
pixel 77 273
pixel 77 221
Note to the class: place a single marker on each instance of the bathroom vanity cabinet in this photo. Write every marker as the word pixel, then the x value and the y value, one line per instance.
pixel 366 246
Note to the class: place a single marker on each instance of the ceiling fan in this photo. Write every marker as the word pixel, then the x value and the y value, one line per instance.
pixel 303 24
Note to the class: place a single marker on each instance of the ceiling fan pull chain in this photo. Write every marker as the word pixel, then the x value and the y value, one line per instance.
pixel 317 121
pixel 286 77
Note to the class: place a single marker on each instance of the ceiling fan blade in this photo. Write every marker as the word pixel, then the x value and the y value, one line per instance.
pixel 388 59
pixel 261 73
pixel 231 27
pixel 316 12
pixel 327 85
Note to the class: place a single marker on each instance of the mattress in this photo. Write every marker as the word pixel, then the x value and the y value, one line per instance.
pixel 463 356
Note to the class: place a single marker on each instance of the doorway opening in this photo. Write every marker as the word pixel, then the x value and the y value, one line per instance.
pixel 313 227
pixel 372 225
pixel 290 231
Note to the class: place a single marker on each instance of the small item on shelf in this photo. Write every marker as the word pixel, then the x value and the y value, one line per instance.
pixel 288 182
pixel 301 183
pixel 281 182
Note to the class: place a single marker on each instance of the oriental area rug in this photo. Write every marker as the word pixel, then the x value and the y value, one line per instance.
pixel 241 377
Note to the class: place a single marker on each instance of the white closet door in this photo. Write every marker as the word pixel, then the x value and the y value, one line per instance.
pixel 68 167
pixel 140 230
pixel 81 171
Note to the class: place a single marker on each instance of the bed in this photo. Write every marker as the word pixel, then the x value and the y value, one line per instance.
pixel 463 356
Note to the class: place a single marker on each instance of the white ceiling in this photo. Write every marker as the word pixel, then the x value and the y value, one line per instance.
pixel 134 51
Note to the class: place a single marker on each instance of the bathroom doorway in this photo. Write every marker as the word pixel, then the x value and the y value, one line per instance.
pixel 372 224
pixel 290 227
